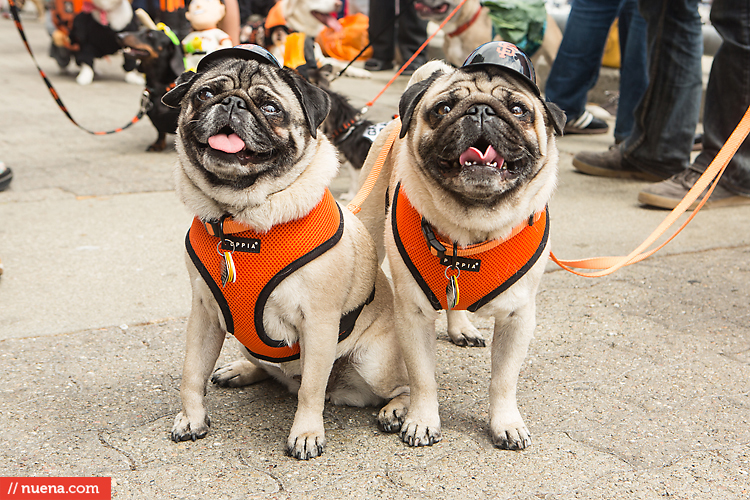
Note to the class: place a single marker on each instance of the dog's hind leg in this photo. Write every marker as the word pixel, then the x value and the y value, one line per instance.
pixel 238 374
pixel 509 346
pixel 461 331
pixel 160 144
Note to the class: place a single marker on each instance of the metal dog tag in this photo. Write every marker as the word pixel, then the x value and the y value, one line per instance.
pixel 228 271
pixel 451 292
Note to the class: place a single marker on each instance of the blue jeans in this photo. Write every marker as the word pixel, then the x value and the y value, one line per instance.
pixel 666 116
pixel 576 67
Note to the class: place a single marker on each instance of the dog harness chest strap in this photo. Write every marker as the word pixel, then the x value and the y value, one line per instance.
pixel 263 261
pixel 484 273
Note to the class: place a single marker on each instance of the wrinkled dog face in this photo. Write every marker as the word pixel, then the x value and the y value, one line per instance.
pixel 244 122
pixel 480 135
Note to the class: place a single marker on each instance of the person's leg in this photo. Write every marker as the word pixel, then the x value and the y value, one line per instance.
pixel 412 32
pixel 664 120
pixel 728 92
pixel 576 67
pixel 633 69
pixel 727 99
pixel 382 33
pixel 666 116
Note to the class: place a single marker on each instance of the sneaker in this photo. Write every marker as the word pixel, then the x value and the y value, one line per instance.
pixel 86 75
pixel 610 164
pixel 378 65
pixel 586 124
pixel 6 175
pixel 669 193
pixel 134 77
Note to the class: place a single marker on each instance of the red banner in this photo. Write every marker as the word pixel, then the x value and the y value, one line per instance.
pixel 60 488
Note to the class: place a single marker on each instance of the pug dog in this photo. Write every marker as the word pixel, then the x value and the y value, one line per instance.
pixel 272 257
pixel 465 226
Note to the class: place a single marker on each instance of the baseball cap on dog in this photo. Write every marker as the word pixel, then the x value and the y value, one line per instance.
pixel 506 56
pixel 242 51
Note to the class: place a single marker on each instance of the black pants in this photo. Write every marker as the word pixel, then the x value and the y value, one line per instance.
pixel 409 31
pixel 97 41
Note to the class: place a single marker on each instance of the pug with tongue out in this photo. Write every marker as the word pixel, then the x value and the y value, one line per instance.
pixel 466 183
pixel 272 258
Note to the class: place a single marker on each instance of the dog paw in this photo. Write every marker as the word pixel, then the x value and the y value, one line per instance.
pixel 467 337
pixel 186 430
pixel 391 417
pixel 238 374
pixel 416 433
pixel 462 332
pixel 306 446
pixel 511 437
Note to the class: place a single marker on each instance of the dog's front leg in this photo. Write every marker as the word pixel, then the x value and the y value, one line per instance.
pixel 317 354
pixel 509 346
pixel 204 340
pixel 415 329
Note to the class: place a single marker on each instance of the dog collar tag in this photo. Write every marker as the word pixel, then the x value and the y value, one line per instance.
pixel 452 295
pixel 228 271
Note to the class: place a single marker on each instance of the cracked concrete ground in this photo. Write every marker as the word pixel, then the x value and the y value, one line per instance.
pixel 637 386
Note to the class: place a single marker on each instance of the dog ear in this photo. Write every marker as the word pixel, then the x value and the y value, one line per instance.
pixel 315 102
pixel 410 98
pixel 182 85
pixel 556 116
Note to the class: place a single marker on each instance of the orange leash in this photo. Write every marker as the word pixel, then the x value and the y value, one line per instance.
pixel 608 265
pixel 356 204
pixel 419 50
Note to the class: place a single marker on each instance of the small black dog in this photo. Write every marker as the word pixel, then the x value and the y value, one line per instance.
pixel 350 133
pixel 160 58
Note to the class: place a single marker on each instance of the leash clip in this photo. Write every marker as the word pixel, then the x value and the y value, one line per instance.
pixel 146 103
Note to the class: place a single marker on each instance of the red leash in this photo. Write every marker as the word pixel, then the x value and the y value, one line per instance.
pixel 53 92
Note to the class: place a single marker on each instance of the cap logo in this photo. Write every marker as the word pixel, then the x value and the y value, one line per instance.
pixel 506 50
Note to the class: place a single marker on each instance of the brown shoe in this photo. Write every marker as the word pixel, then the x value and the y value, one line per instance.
pixel 669 193
pixel 610 164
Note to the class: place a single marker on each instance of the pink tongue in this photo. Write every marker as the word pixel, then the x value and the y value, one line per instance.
pixel 227 143
pixel 473 155
pixel 329 20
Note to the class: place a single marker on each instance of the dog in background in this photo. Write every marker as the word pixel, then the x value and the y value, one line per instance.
pixel 307 17
pixel 472 26
pixel 161 60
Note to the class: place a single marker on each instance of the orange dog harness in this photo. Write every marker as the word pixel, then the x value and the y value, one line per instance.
pixel 242 268
pixel 486 270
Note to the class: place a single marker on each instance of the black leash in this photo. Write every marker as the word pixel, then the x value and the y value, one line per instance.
pixel 144 99
pixel 369 43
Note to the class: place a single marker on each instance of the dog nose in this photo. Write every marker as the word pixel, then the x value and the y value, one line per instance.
pixel 481 110
pixel 232 102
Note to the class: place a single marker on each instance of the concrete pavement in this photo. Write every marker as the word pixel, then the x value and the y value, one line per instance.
pixel 637 386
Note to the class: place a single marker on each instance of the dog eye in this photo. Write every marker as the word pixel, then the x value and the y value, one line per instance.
pixel 205 94
pixel 270 108
pixel 443 108
pixel 518 109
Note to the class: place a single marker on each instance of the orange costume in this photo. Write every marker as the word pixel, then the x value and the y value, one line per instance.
pixel 261 262
pixel 486 270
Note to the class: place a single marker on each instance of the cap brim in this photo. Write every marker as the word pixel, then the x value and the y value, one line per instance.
pixel 235 52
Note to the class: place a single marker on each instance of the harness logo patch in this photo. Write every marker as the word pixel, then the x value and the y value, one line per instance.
pixel 462 263
pixel 235 244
